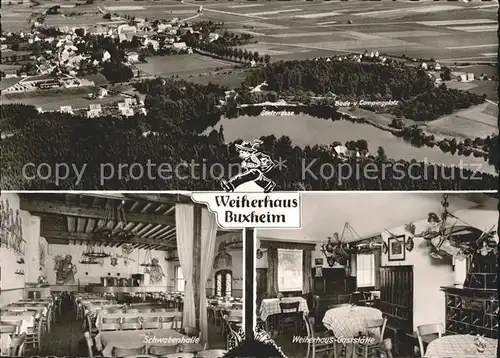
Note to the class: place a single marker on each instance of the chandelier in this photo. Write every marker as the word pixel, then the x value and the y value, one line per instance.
pixel 117 222
pixel 223 258
pixel 93 253
pixel 148 261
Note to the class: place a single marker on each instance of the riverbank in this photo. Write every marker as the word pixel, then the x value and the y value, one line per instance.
pixel 420 138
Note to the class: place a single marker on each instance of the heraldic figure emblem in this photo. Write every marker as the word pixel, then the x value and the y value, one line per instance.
pixel 255 165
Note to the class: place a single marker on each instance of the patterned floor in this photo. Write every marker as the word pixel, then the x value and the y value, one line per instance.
pixel 66 337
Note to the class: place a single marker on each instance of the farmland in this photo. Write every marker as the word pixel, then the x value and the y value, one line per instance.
pixel 181 65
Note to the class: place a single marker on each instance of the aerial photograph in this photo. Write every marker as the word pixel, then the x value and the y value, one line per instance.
pixel 181 95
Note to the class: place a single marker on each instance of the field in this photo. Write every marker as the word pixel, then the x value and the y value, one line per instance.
pixel 450 32
pixel 477 121
pixel 52 100
pixel 181 65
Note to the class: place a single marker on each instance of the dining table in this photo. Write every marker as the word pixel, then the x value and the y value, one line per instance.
pixel 106 341
pixel 460 346
pixel 27 318
pixel 102 314
pixel 348 321
pixel 271 306
pixel 41 308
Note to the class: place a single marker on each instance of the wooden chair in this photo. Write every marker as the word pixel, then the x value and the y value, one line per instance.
pixel 313 346
pixel 34 335
pixel 91 326
pixel 343 299
pixel 163 350
pixel 46 321
pixel 178 322
pixel 18 342
pixel 374 329
pixel 179 355
pixel 315 307
pixel 211 353
pixel 289 316
pixel 111 320
pixel 338 305
pixel 168 322
pixel 130 319
pixel 109 327
pixel 130 326
pixel 11 327
pixel 357 298
pixel 90 345
pixel 150 322
pixel 125 352
pixel 436 329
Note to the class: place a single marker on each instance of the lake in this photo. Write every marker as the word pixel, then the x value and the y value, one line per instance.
pixel 307 130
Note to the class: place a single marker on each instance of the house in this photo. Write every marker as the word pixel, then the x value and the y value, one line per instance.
pixel 10 73
pixel 185 30
pixel 125 28
pixel 128 112
pixel 212 37
pixel 93 114
pixel 66 109
pixel 132 57
pixel 122 106
pixel 179 46
pixel 470 77
pixel 96 107
pixel 437 67
pixel 423 66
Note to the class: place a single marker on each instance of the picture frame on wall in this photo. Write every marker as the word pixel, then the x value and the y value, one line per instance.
pixel 397 250
pixel 318 262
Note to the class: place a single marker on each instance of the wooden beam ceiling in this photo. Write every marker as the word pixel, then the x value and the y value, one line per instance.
pixel 47 207
pixel 84 238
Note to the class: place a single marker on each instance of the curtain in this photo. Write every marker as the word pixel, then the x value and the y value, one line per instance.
pixel 184 215
pixel 306 271
pixel 208 237
pixel 377 262
pixel 272 272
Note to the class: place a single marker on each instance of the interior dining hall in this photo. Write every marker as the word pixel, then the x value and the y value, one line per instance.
pixel 116 275
pixel 384 274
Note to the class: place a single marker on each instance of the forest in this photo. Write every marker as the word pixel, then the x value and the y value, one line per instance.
pixel 54 138
pixel 418 97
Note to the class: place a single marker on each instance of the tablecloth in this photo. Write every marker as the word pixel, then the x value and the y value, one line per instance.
pixel 42 309
pixel 5 344
pixel 271 306
pixel 107 340
pixel 460 346
pixel 347 322
pixel 28 320
pixel 101 315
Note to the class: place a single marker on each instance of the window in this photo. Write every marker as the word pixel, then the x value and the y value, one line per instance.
pixel 180 279
pixel 224 283
pixel 365 270
pixel 289 270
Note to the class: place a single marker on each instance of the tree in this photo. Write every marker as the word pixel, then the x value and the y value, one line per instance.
pixel 117 72
pixel 267 58
pixel 446 74
pixel 80 32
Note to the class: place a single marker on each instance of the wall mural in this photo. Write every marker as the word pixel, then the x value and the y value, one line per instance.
pixel 11 228
pixel 65 270
pixel 155 272
pixel 43 252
